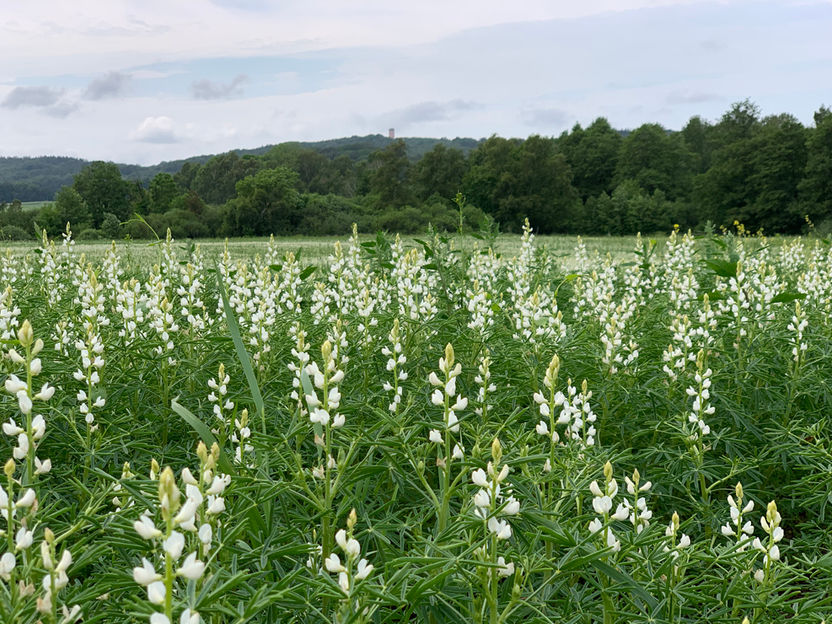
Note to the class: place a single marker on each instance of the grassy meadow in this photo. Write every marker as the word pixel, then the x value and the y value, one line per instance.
pixel 436 429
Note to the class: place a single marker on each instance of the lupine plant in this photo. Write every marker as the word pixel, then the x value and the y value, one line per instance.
pixel 404 430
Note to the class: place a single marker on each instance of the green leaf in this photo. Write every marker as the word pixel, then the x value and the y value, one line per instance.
pixel 308 271
pixel 723 268
pixel 786 297
pixel 242 354
pixel 203 431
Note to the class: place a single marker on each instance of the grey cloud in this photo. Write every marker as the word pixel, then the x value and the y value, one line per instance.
pixel 110 85
pixel 39 97
pixel 61 109
pixel 431 111
pixel 207 90
pixel 45 99
pixel 545 117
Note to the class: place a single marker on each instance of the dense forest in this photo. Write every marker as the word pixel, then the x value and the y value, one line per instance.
pixel 769 173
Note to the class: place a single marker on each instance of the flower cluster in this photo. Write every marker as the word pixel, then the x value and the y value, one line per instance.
pixel 484 386
pixel 602 502
pixel 445 390
pixel 33 427
pixel 701 393
pixel 740 530
pixel 217 397
pixel 357 568
pixel 771 525
pixel 395 359
pixel 197 517
pixel 489 501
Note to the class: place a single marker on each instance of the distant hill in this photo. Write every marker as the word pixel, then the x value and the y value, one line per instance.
pixel 39 178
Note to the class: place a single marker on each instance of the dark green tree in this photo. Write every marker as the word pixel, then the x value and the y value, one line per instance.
pixel 267 203
pixel 816 187
pixel 103 190
pixel 389 175
pixel 656 160
pixel 592 155
pixel 163 189
pixel 216 181
pixel 71 208
pixel 439 172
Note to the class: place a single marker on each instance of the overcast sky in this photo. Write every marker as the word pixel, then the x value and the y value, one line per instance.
pixel 149 80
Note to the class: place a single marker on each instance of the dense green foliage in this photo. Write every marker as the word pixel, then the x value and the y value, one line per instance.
pixel 771 174
pixel 535 438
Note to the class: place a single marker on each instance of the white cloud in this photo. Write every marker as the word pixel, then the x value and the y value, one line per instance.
pixel 155 130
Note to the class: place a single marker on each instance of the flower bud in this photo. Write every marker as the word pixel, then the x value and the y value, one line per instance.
pixel 449 356
pixel 496 451
pixel 608 471
pixel 351 520
pixel 25 334
pixel 9 468
pixel 168 492
pixel 738 490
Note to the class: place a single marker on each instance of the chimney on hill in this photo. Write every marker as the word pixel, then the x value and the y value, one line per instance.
pixel 391 133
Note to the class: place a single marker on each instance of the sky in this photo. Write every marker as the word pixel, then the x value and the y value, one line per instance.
pixel 142 81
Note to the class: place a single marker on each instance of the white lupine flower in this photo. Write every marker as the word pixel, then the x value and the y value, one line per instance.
pixel 622 512
pixel 482 499
pixel 11 428
pixel 505 569
pixel 159 618
pixel 542 428
pixel 602 504
pixel 145 528
pixel 65 561
pixel 500 528
pixel 363 570
pixel 23 539
pixel 458 452
pixel 46 392
pixel 205 534
pixel 186 512
pixel 218 484
pixel 24 402
pixel 333 563
pixel 437 398
pixel 14 385
pixel 512 506
pixel 145 574
pixel 216 505
pixel 156 592
pixel 189 617
pixel 26 499
pixel 7 564
pixel 174 544
pixel 479 477
pixel 192 568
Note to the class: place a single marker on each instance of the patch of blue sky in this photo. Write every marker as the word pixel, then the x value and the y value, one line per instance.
pixel 264 76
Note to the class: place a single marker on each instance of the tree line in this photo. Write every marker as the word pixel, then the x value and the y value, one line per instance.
pixel 770 173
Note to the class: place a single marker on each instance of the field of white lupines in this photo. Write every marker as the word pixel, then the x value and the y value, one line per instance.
pixel 424 432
